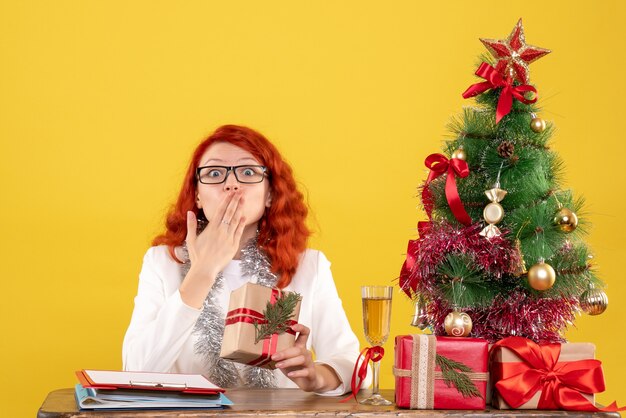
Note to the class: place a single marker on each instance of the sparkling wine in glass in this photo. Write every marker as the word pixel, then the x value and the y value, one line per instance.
pixel 376 323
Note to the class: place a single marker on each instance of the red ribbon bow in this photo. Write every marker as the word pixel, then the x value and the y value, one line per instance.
pixel 561 384
pixel 404 281
pixel 439 164
pixel 509 91
pixel 360 372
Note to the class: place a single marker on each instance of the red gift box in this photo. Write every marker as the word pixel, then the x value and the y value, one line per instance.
pixel 527 375
pixel 419 380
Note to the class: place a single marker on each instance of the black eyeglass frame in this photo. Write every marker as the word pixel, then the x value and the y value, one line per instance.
pixel 232 169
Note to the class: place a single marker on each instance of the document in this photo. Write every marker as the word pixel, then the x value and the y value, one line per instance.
pixel 89 398
pixel 110 379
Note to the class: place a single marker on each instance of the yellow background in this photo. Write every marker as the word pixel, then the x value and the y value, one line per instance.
pixel 102 102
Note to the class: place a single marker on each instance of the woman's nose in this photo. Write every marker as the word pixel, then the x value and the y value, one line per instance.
pixel 231 183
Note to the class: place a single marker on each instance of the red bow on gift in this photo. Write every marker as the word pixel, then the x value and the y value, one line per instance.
pixel 439 164
pixel 360 372
pixel 509 91
pixel 561 384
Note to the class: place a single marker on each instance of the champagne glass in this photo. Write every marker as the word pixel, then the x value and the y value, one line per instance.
pixel 376 323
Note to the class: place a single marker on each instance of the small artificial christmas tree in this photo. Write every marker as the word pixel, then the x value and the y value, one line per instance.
pixel 502 253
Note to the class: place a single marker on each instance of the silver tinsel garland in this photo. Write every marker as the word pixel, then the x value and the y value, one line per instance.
pixel 210 324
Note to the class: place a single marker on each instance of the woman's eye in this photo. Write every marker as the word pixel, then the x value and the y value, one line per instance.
pixel 248 172
pixel 214 173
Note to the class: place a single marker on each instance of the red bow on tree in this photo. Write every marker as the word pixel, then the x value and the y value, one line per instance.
pixel 439 164
pixel 405 281
pixel 561 384
pixel 509 91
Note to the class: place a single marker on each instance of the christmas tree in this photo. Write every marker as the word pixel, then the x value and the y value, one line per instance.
pixel 502 253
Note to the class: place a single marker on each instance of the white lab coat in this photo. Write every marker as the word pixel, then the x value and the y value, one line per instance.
pixel 160 336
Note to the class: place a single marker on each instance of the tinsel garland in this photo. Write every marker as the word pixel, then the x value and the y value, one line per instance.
pixel 518 313
pixel 209 327
pixel 497 256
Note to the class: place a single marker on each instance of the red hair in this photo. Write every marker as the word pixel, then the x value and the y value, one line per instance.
pixel 282 230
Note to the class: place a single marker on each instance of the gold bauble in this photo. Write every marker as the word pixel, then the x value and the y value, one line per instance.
pixel 537 125
pixel 541 276
pixel 458 324
pixel 594 301
pixel 566 220
pixel 459 154
pixel 493 213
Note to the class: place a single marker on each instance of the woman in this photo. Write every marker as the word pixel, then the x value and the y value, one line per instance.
pixel 239 218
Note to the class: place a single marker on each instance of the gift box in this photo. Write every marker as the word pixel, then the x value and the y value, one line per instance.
pixel 249 317
pixel 547 376
pixel 440 372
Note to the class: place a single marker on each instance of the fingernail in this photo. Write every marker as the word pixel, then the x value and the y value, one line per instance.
pixel 276 357
pixel 279 365
pixel 290 374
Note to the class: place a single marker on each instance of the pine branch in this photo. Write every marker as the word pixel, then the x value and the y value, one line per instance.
pixel 462 283
pixel 277 316
pixel 453 374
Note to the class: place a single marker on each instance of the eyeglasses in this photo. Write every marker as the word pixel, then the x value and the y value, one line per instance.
pixel 217 174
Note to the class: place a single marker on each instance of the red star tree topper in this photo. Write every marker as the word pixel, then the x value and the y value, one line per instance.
pixel 513 54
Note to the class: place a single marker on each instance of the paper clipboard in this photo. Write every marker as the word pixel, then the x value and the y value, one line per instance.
pixel 171 382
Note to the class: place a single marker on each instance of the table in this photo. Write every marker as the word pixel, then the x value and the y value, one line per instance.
pixel 284 403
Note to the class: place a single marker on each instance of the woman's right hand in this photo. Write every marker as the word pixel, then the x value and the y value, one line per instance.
pixel 213 248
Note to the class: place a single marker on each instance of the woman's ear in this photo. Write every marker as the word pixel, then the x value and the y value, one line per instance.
pixel 198 204
pixel 268 201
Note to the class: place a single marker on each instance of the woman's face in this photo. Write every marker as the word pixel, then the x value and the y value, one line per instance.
pixel 257 196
